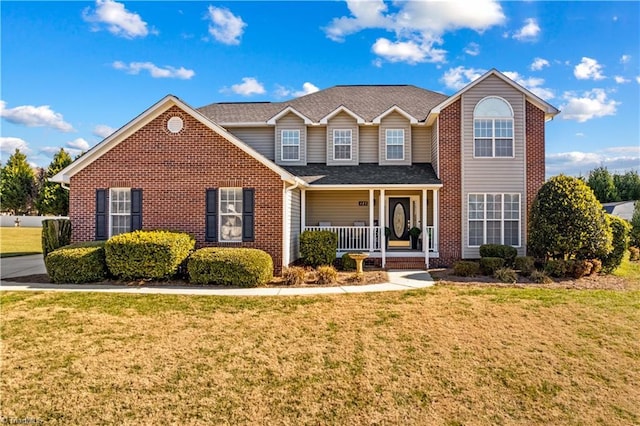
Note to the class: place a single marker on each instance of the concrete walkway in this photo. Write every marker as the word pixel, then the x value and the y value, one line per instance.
pixel 29 265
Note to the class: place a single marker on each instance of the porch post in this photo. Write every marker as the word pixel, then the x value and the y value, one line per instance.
pixel 371 220
pixel 425 235
pixel 382 221
pixel 436 220
pixel 303 209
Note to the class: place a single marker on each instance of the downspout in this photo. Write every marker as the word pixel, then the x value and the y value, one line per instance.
pixel 285 223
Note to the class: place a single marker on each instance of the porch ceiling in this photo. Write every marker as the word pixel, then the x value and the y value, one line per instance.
pixel 366 174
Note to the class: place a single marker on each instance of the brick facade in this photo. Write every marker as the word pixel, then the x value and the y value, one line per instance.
pixel 174 171
pixel 535 153
pixel 450 202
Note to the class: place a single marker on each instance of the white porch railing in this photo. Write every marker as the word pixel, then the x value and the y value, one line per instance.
pixel 431 232
pixel 351 238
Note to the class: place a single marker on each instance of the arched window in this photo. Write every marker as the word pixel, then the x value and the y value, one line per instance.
pixel 493 128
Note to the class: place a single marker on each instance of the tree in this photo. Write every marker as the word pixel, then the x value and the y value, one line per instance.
pixel 601 181
pixel 53 199
pixel 627 186
pixel 17 184
pixel 567 221
pixel 620 229
pixel 635 226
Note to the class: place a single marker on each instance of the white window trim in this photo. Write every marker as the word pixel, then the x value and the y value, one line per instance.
pixel 386 145
pixel 493 129
pixel 350 144
pixel 502 219
pixel 111 213
pixel 282 145
pixel 223 215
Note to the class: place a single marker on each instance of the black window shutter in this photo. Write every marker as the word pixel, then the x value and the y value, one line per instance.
pixel 211 216
pixel 136 209
pixel 248 195
pixel 101 215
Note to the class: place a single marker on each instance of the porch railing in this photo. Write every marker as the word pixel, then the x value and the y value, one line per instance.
pixel 431 232
pixel 352 238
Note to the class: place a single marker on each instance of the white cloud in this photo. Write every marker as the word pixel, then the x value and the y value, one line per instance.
pixel 616 159
pixel 620 79
pixel 154 70
pixel 538 64
pixel 457 78
pixel 51 150
pixel 638 79
pixel 249 86
pixel 624 59
pixel 307 88
pixel 529 32
pixel 8 145
pixel 472 49
pixel 418 25
pixel 592 104
pixel 225 26
pixel 118 20
pixel 35 116
pixel 579 134
pixel 588 69
pixel 533 84
pixel 78 144
pixel 102 130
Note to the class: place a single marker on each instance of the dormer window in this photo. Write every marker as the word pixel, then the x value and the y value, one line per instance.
pixel 290 145
pixel 395 144
pixel 493 128
pixel 342 144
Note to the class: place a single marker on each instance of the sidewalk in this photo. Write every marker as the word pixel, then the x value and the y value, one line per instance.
pixel 29 265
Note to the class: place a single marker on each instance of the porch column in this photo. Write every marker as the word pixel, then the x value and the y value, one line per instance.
pixel 303 209
pixel 436 219
pixel 425 235
pixel 371 229
pixel 381 215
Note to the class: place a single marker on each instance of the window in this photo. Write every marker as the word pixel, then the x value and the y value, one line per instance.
pixel 290 145
pixel 493 128
pixel 395 144
pixel 342 144
pixel 494 219
pixel 230 214
pixel 120 210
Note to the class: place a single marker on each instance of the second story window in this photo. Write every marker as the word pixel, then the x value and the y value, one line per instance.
pixel 493 128
pixel 342 144
pixel 395 144
pixel 290 145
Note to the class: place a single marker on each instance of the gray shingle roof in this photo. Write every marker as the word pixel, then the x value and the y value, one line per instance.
pixel 365 174
pixel 366 101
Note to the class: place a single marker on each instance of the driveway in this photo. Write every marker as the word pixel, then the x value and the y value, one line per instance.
pixel 20 266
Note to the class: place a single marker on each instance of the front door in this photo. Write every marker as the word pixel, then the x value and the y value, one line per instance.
pixel 399 218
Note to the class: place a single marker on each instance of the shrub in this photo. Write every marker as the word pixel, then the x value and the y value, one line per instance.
pixel 540 277
pixel 578 268
pixel 243 267
pixel 318 247
pixel 466 268
pixel 326 274
pixel 56 233
pixel 506 275
pixel 348 264
pixel 489 265
pixel 505 252
pixel 620 229
pixel 596 266
pixel 77 263
pixel 147 254
pixel 293 275
pixel 567 221
pixel 525 264
pixel 634 253
pixel 634 238
pixel 556 268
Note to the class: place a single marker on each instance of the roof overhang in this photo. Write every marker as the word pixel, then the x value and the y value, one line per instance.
pixel 286 111
pixel 412 186
pixel 342 108
pixel 400 111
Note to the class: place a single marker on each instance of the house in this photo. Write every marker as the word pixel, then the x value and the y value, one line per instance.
pixel 355 160
pixel 622 209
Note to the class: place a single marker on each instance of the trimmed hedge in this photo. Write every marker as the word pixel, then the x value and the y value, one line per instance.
pixel 556 268
pixel 505 252
pixel 77 263
pixel 318 247
pixel 620 229
pixel 525 264
pixel 243 267
pixel 56 233
pixel 348 264
pixel 466 268
pixel 489 265
pixel 147 254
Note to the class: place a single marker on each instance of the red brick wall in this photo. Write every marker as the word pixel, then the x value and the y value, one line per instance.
pixel 535 153
pixel 174 170
pixel 450 208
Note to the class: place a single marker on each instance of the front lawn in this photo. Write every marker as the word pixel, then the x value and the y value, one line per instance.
pixel 20 241
pixel 445 355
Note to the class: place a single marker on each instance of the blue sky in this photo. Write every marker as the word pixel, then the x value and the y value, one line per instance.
pixel 72 72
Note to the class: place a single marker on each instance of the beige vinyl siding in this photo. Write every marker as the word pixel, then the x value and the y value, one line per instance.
pixel 492 175
pixel 338 207
pixel 316 145
pixel 294 224
pixel 259 138
pixel 368 144
pixel 342 121
pixel 395 121
pixel 421 144
pixel 291 122
pixel 435 148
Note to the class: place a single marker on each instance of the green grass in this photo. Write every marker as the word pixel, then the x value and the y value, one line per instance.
pixel 443 355
pixel 20 241
pixel 628 269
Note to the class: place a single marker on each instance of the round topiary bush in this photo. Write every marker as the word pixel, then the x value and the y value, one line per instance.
pixel 318 247
pixel 620 229
pixel 242 267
